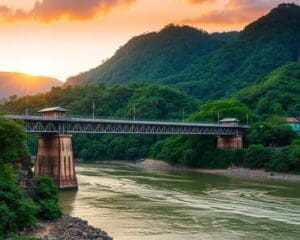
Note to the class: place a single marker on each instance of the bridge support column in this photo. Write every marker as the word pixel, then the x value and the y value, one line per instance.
pixel 230 142
pixel 55 160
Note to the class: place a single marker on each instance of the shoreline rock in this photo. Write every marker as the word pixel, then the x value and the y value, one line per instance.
pixel 68 228
pixel 72 228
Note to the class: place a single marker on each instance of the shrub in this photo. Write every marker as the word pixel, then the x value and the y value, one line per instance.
pixel 26 213
pixel 280 161
pixel 45 189
pixel 12 141
pixel 221 159
pixel 7 217
pixel 46 198
pixel 257 156
pixel 49 210
pixel 286 159
pixel 16 212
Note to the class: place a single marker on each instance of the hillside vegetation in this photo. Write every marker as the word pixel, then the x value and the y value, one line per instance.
pixel 150 101
pixel 208 66
pixel 19 211
pixel 22 84
pixel 261 47
pixel 277 93
pixel 152 56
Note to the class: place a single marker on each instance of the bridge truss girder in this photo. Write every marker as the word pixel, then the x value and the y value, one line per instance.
pixel 130 128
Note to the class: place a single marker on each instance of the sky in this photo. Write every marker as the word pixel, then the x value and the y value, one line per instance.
pixel 61 38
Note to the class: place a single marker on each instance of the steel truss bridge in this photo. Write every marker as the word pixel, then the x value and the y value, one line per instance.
pixel 70 125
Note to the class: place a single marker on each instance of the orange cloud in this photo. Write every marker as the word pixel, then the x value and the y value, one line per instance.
pixel 200 1
pixel 236 12
pixel 55 10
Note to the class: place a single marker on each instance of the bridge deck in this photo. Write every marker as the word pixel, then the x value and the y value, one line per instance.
pixel 71 125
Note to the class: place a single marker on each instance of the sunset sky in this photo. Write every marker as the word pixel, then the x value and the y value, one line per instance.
pixel 60 38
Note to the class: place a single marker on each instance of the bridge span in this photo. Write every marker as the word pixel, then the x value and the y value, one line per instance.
pixel 71 125
pixel 55 154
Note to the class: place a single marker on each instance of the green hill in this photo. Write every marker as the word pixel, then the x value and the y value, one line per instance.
pixel 208 66
pixel 277 93
pixel 261 47
pixel 152 56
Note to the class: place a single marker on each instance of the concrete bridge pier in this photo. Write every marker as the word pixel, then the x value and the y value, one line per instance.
pixel 230 142
pixel 55 160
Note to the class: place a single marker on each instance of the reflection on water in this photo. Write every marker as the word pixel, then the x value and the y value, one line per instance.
pixel 135 204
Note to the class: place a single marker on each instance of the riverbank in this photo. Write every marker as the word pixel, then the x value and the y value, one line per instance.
pixel 231 172
pixel 68 228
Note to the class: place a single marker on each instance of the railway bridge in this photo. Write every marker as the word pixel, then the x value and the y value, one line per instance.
pixel 55 154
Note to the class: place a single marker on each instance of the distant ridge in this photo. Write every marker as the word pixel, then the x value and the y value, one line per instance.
pixel 207 66
pixel 20 84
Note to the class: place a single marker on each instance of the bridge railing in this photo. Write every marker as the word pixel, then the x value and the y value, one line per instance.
pixel 136 119
pixel 109 118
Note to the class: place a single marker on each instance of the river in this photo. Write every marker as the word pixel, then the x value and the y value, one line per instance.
pixel 134 204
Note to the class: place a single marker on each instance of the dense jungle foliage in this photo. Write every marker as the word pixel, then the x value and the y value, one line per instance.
pixel 264 143
pixel 267 103
pixel 150 102
pixel 161 102
pixel 277 93
pixel 16 210
pixel 208 66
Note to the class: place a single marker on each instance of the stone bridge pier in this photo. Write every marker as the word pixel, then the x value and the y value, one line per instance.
pixel 230 142
pixel 55 160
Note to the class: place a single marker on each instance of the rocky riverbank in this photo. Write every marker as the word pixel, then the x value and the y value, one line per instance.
pixel 231 172
pixel 69 228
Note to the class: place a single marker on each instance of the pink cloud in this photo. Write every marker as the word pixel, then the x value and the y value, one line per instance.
pixel 54 10
pixel 236 12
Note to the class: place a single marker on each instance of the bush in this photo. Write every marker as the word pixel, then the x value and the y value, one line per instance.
pixel 287 159
pixel 257 156
pixel 26 213
pixel 271 133
pixel 16 212
pixel 12 141
pixel 280 161
pixel 45 189
pixel 221 159
pixel 46 198
pixel 49 210
pixel 7 217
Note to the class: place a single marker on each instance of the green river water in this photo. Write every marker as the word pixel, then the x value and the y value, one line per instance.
pixel 135 204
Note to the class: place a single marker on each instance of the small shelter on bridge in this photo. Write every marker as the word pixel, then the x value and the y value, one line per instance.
pixel 53 112
pixel 230 121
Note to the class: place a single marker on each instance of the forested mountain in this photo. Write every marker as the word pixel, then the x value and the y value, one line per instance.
pixel 12 83
pixel 206 66
pixel 152 56
pixel 277 93
pixel 261 47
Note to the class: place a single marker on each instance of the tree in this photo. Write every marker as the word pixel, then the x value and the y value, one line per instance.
pixel 226 108
pixel 257 156
pixel 271 133
pixel 46 199
pixel 12 141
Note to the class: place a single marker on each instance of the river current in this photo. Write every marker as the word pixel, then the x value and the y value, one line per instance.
pixel 134 204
